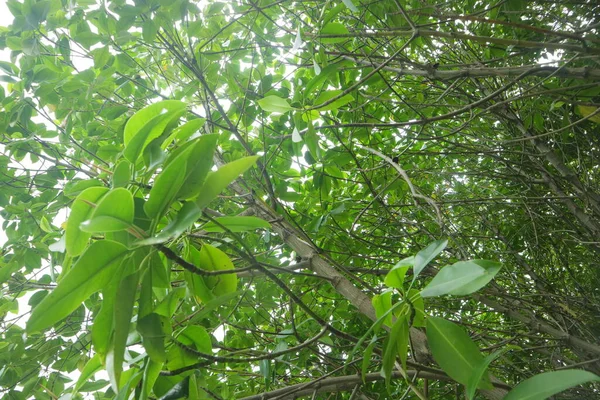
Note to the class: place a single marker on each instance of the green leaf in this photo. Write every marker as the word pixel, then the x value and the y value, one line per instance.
pixel 424 257
pixel 209 258
pixel 94 269
pixel 122 174
pixel 151 373
pixel 91 367
pixel 395 278
pixel 198 165
pixel 275 104
pixel 81 210
pixel 480 371
pixel 197 337
pixel 542 386
pixel 366 361
pixel 328 95
pixel 334 28
pixel 462 278
pixel 454 350
pixel 217 181
pixel 166 186
pixel 236 224
pixel 396 344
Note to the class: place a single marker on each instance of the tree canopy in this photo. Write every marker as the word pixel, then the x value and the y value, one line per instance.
pixel 274 199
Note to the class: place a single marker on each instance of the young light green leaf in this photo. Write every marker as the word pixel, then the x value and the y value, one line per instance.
pixel 94 269
pixel 217 181
pixel 328 95
pixel 167 185
pixel 197 337
pixel 395 278
pixel 462 278
pixel 81 210
pixel 199 163
pixel 425 256
pixel 275 104
pixel 236 224
pixel 454 350
pixel 542 386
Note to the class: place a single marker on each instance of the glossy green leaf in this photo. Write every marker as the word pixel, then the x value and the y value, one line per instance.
pixel 462 278
pixel 91 272
pixel 236 224
pixel 454 351
pixel 184 132
pixel 197 337
pixel 104 224
pixel 217 181
pixel 141 118
pixel 275 104
pixel 81 210
pixel 542 386
pixel 199 163
pixel 425 256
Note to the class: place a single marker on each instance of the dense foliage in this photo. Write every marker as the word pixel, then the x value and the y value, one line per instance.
pixel 272 199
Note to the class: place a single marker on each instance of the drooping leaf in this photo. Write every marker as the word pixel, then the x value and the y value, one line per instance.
pixel 93 270
pixel 454 351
